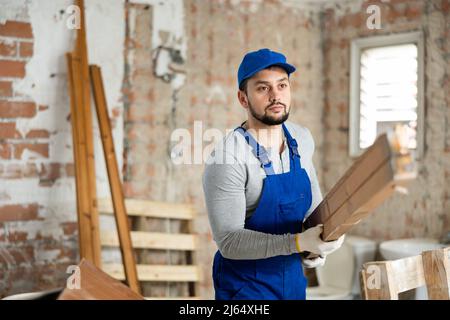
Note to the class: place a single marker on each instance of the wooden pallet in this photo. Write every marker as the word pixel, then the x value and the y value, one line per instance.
pixel 182 242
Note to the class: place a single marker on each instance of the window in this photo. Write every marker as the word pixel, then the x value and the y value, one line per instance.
pixel 387 91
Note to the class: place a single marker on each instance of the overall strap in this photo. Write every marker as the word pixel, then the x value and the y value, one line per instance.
pixel 258 151
pixel 293 145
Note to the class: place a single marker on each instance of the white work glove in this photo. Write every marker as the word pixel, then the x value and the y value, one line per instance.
pixel 313 262
pixel 309 240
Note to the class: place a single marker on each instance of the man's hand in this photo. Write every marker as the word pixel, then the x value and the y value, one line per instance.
pixel 313 262
pixel 310 241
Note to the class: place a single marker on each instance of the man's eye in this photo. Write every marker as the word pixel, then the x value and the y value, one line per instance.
pixel 262 88
pixel 283 85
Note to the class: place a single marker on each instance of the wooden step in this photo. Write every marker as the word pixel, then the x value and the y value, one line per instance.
pixel 177 273
pixel 152 209
pixel 152 240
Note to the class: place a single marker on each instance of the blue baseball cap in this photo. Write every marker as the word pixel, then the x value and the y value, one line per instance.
pixel 256 61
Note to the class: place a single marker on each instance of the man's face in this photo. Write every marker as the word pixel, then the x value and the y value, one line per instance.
pixel 268 97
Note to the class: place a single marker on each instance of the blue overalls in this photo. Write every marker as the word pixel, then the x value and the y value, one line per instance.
pixel 284 201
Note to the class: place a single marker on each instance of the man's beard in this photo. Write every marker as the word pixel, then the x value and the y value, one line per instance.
pixel 269 120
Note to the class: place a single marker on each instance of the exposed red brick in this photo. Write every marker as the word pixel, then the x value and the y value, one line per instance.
pixel 16 29
pixel 18 212
pixel 38 133
pixel 116 112
pixel 40 148
pixel 5 151
pixel 22 254
pixel 11 109
pixel 8 49
pixel 42 108
pixel 70 169
pixel 445 4
pixel 65 253
pixel 393 14
pixel 49 174
pixel 2 239
pixel 413 12
pixel 69 228
pixel 11 68
pixel 6 89
pixel 26 49
pixel 8 130
pixel 17 236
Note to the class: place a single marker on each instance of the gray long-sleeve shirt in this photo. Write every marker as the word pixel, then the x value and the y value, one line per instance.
pixel 232 184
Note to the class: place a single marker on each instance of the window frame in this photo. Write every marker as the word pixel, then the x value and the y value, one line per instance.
pixel 357 46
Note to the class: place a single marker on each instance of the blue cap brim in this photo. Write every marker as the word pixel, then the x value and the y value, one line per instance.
pixel 286 66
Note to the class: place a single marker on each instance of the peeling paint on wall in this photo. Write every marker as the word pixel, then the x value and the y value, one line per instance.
pixel 14 10
pixel 46 77
pixel 169 40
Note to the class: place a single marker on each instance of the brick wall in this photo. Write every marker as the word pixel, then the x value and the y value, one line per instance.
pixel 32 256
pixel 425 211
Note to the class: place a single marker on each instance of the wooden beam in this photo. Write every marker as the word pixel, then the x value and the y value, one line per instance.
pixel 84 149
pixel 407 273
pixel 177 273
pixel 151 209
pixel 123 228
pixel 82 54
pixel 79 147
pixel 152 240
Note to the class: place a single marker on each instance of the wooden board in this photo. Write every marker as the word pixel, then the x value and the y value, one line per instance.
pixel 151 209
pixel 123 228
pixel 374 177
pixel 81 117
pixel 97 285
pixel 176 273
pixel 81 53
pixel 152 240
pixel 81 180
pixel 373 192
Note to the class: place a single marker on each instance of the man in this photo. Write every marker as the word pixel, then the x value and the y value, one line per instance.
pixel 260 184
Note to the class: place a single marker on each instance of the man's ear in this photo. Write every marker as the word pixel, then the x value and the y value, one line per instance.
pixel 243 99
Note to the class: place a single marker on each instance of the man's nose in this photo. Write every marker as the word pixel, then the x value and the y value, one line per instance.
pixel 274 95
